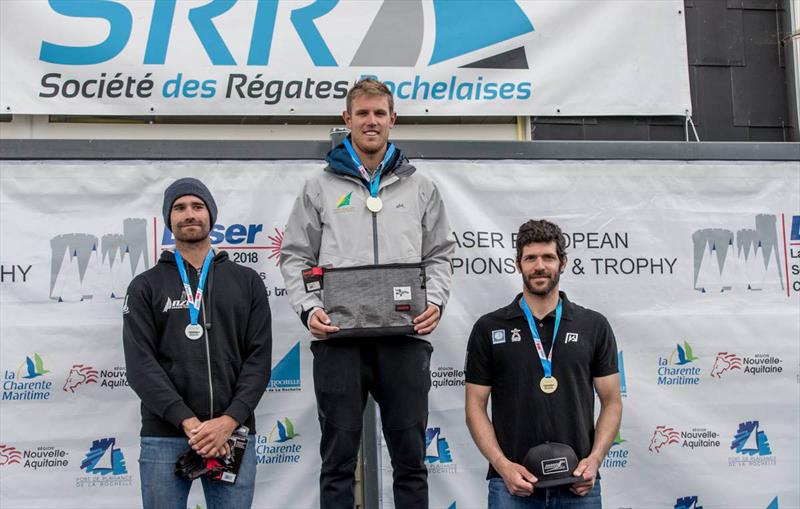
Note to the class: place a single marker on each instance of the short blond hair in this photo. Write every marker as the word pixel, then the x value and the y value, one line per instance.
pixel 369 87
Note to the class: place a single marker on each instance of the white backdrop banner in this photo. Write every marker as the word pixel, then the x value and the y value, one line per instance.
pixel 270 57
pixel 696 266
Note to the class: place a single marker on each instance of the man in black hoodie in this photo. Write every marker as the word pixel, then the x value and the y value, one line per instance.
pixel 198 346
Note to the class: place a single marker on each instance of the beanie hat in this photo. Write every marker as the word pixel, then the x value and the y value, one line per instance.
pixel 194 187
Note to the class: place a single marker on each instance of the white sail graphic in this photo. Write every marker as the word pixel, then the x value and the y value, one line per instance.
pixel 106 461
pixel 752 441
pixel 433 447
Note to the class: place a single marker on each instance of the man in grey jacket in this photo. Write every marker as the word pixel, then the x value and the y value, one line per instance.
pixel 369 206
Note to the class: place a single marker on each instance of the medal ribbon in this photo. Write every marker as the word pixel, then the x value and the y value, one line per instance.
pixel 196 301
pixel 547 360
pixel 375 181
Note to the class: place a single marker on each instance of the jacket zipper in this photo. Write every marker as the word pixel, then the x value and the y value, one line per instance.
pixel 375 237
pixel 208 354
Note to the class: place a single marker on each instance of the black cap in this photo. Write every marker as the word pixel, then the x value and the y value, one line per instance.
pixel 552 464
pixel 194 187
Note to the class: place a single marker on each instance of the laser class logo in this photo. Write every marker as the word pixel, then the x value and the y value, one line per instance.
pixel 279 446
pixel 104 458
pixel 749 260
pixel 80 374
pixel 437 453
pixel 83 267
pixel 286 373
pixel 9 455
pixel 678 368
pixel 245 241
pixel 752 445
pixel 663 436
pixel 759 364
pixel 28 382
pixel 617 456
pixel 690 502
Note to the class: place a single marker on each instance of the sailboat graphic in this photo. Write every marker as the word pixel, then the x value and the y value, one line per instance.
pixel 462 27
pixel 104 458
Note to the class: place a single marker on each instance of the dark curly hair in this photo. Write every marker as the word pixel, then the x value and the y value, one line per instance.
pixel 541 230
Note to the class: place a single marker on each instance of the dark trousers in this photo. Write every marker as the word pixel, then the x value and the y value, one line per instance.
pixel 396 371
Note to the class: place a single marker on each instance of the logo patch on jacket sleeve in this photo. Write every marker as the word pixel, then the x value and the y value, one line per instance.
pixel 498 336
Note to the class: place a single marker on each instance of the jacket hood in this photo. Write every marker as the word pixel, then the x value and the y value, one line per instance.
pixel 169 257
pixel 340 162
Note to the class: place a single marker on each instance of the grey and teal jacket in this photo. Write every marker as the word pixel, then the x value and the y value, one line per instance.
pixel 330 226
pixel 226 371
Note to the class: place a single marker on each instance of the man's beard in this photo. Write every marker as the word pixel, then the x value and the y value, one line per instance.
pixel 191 238
pixel 552 282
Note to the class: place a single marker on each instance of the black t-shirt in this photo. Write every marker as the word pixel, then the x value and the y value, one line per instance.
pixel 501 354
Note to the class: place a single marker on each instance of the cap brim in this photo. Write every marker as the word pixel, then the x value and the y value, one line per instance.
pixel 564 481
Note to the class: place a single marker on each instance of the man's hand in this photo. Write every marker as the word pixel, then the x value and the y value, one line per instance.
pixel 190 426
pixel 587 468
pixel 519 481
pixel 210 439
pixel 320 324
pixel 428 320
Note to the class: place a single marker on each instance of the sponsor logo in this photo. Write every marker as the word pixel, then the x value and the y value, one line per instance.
pixel 663 436
pixel 695 438
pixel 279 445
pixel 10 273
pixel 446 376
pixel 104 458
pixel 286 373
pixel 751 441
pixel 9 455
pixel 773 504
pixel 83 267
pixel 402 292
pixel 437 453
pixel 34 459
pixel 617 456
pixel 344 200
pixel 572 337
pixel 623 384
pixel 748 259
pixel 752 445
pixel 554 466
pixel 173 304
pixel 677 369
pixel 105 463
pixel 28 382
pixel 80 374
pixel 515 335
pixel 687 503
pixel 498 336
pixel 244 240
pixel 755 365
pixel 452 506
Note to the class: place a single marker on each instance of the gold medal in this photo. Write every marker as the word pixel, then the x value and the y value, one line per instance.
pixel 548 385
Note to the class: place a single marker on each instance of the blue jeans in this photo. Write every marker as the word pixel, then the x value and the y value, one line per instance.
pixel 162 489
pixel 545 498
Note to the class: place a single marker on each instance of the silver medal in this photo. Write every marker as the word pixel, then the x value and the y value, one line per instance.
pixel 374 204
pixel 194 331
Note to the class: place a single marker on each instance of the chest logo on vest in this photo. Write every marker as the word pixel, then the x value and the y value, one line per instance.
pixel 498 336
pixel 572 337
pixel 515 336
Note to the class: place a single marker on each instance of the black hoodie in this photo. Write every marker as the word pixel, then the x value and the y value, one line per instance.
pixel 224 372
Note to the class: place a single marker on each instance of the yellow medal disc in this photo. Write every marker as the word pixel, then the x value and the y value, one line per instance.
pixel 548 385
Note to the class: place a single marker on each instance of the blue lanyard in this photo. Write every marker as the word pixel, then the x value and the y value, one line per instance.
pixel 197 300
pixel 375 181
pixel 547 361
